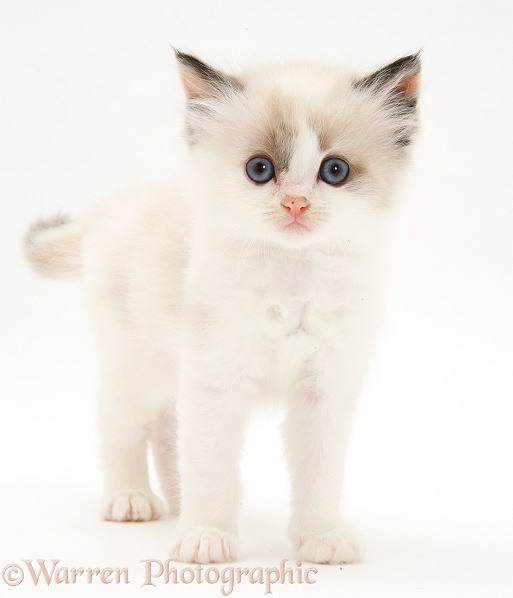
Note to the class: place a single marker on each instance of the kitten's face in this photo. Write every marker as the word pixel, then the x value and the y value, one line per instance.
pixel 299 154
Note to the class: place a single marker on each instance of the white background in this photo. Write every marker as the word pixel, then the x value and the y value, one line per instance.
pixel 91 103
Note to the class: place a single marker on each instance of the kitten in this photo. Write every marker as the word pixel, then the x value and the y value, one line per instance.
pixel 255 276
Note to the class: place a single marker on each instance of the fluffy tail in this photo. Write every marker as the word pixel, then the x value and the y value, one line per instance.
pixel 53 247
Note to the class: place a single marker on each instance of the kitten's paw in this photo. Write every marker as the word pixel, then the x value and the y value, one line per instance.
pixel 340 545
pixel 132 505
pixel 205 545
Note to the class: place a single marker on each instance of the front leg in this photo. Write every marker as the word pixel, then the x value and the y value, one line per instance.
pixel 211 435
pixel 316 430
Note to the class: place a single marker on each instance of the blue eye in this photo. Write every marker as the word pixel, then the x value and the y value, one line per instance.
pixel 334 171
pixel 260 170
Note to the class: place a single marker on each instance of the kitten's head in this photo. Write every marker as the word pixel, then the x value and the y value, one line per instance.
pixel 298 154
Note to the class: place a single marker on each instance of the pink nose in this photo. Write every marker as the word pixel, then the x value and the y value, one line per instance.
pixel 295 204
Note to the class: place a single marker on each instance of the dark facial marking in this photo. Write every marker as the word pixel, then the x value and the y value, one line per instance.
pixel 277 137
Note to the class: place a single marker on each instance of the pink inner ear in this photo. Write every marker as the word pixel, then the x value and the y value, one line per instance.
pixel 409 86
pixel 194 87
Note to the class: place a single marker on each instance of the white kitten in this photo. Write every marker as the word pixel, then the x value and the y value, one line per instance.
pixel 254 277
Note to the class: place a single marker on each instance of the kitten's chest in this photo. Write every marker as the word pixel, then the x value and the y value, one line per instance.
pixel 304 299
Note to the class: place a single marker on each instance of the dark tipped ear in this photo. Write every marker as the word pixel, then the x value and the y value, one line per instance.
pixel 398 81
pixel 202 81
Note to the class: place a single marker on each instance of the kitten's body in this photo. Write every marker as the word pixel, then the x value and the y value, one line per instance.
pixel 207 294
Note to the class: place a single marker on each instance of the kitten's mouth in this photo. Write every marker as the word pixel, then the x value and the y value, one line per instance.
pixel 297 226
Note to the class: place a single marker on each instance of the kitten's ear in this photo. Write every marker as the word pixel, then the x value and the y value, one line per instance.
pixel 398 81
pixel 202 81
pixel 397 87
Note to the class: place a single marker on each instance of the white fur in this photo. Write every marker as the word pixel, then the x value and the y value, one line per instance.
pixel 204 306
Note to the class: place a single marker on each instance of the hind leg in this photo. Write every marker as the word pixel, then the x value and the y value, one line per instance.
pixel 124 448
pixel 137 384
pixel 163 437
pixel 138 379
